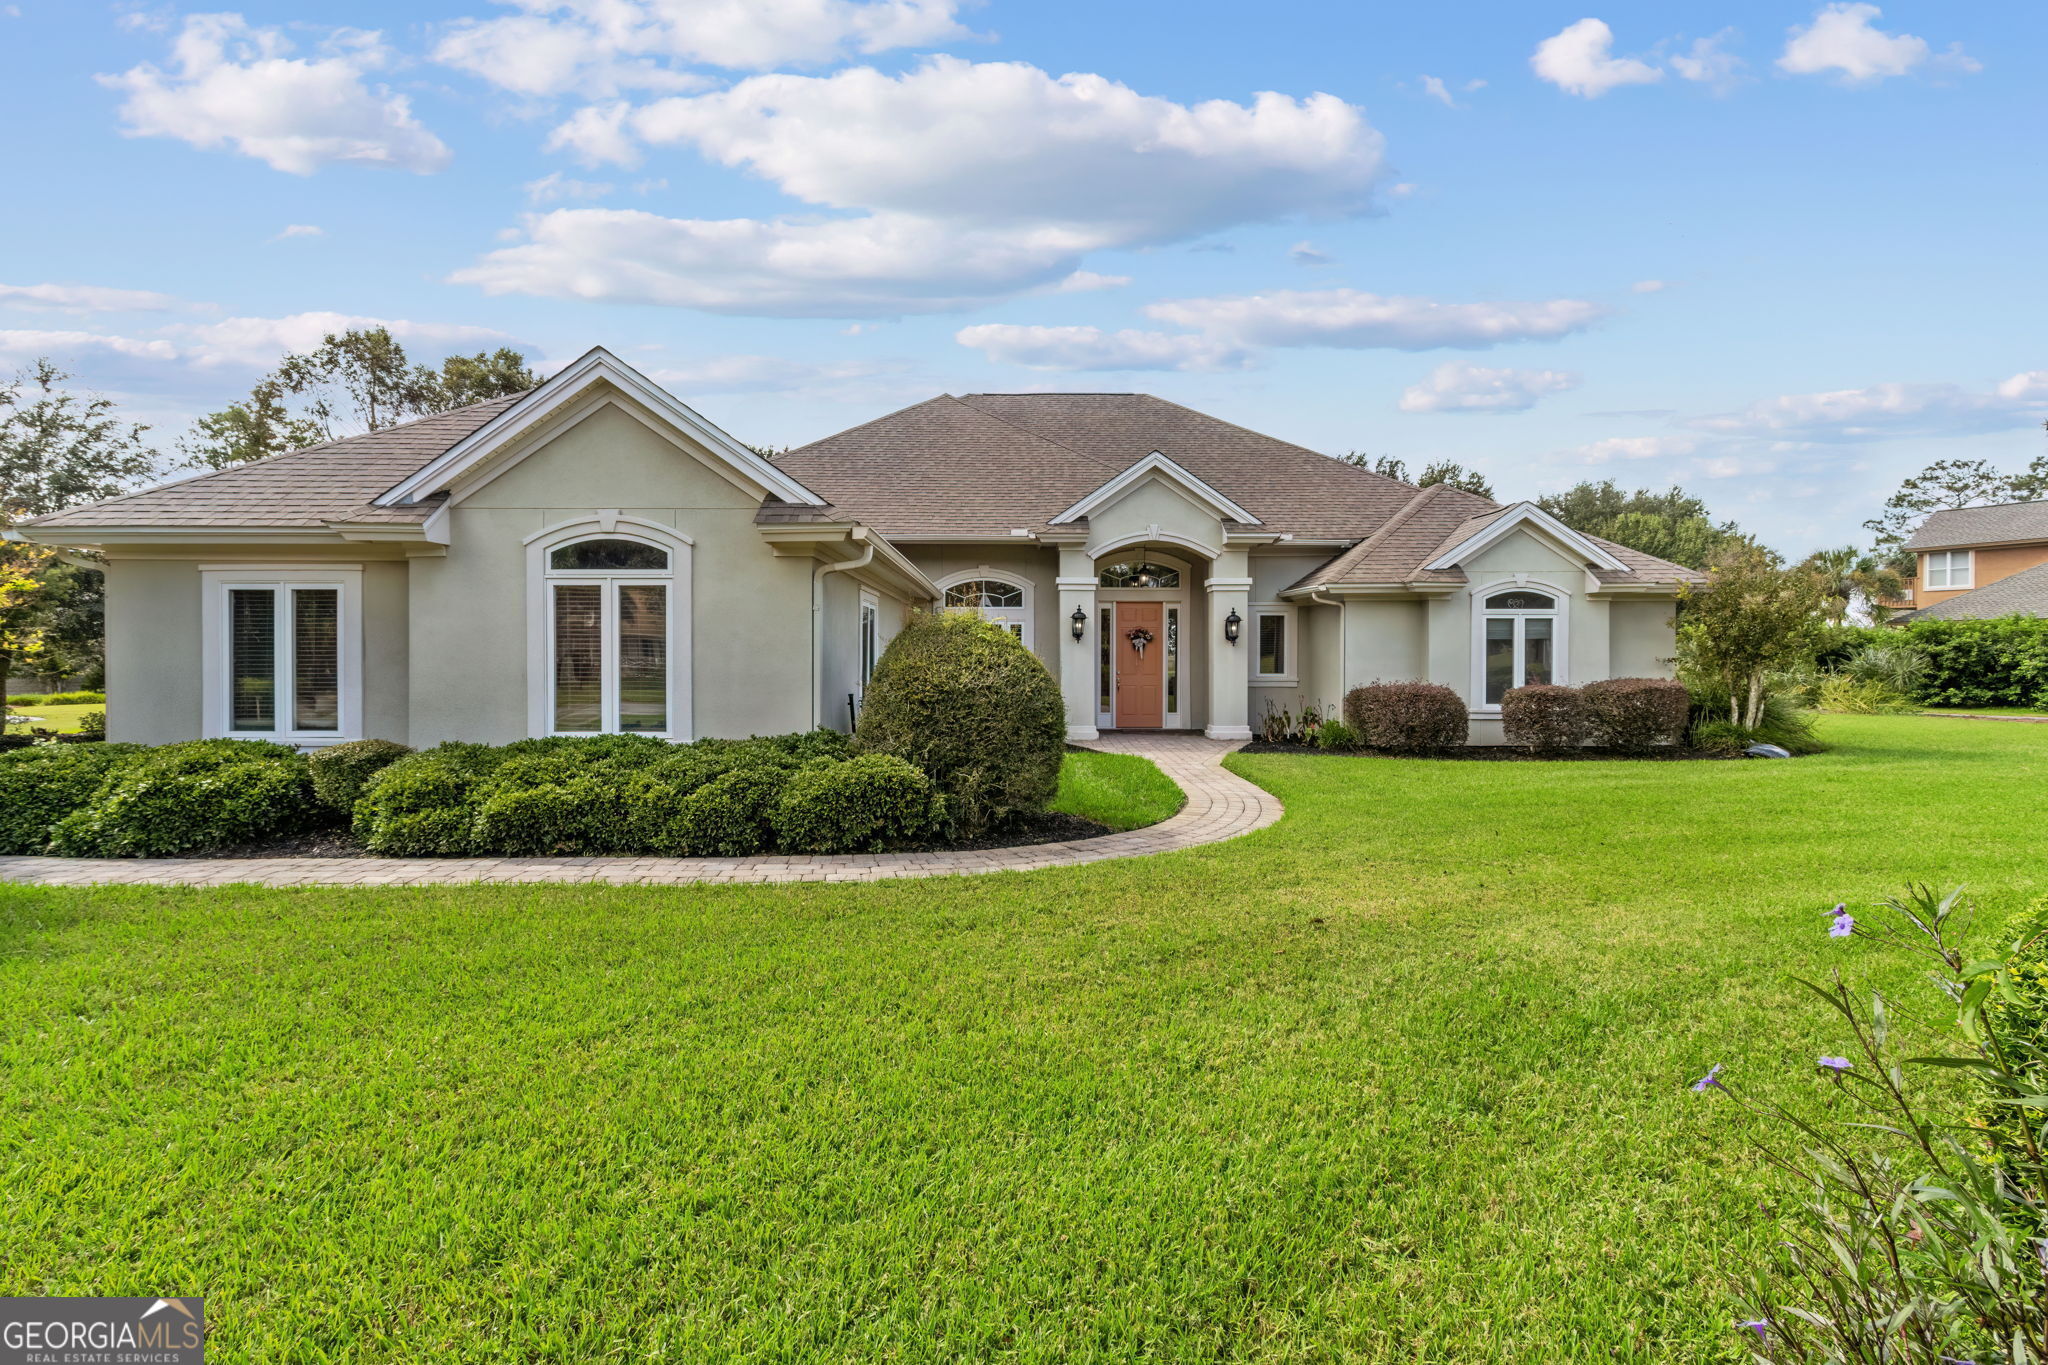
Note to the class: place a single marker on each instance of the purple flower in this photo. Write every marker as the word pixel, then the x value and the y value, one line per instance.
pixel 1844 925
pixel 1710 1081
pixel 1759 1326
pixel 1834 1063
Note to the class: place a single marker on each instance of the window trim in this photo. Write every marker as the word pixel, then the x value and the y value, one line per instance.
pixel 1949 566
pixel 1290 671
pixel 217 671
pixel 1558 614
pixel 1024 615
pixel 541 580
pixel 867 642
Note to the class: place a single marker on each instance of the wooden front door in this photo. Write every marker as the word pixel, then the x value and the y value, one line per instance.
pixel 1140 671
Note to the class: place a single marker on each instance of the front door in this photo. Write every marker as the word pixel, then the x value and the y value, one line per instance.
pixel 1140 665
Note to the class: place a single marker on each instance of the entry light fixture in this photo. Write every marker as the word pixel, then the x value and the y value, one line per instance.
pixel 1080 620
pixel 1232 624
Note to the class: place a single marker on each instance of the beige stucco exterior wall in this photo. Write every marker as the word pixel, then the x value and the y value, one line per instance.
pixel 750 610
pixel 1385 640
pixel 154 675
pixel 1645 640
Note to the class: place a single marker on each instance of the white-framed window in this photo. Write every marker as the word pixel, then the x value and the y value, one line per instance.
pixel 1945 569
pixel 609 630
pixel 870 637
pixel 283 653
pixel 1274 642
pixel 994 597
pixel 1520 640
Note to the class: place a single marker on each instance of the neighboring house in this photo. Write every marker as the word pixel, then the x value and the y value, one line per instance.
pixel 593 556
pixel 1980 562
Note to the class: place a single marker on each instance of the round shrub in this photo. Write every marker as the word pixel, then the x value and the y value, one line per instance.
pixel 1636 713
pixel 180 797
pixel 731 816
pixel 41 785
pixel 419 805
pixel 583 817
pixel 963 700
pixel 1410 717
pixel 864 805
pixel 340 770
pixel 1547 718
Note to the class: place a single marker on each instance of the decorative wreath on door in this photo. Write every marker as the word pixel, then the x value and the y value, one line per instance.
pixel 1139 638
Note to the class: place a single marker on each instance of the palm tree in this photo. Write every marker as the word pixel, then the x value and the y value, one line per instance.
pixel 1852 580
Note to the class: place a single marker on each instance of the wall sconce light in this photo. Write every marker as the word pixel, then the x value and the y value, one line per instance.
pixel 1080 620
pixel 1232 624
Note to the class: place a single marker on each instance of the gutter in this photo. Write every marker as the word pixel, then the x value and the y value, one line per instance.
pixel 818 619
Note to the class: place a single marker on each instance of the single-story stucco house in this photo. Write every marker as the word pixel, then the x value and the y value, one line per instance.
pixel 593 556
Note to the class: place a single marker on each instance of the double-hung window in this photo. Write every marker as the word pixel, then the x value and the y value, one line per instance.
pixel 283 654
pixel 1946 569
pixel 608 632
pixel 1520 632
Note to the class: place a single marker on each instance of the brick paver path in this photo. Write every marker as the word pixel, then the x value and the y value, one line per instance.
pixel 1221 805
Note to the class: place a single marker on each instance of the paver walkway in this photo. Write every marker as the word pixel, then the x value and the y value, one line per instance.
pixel 1221 805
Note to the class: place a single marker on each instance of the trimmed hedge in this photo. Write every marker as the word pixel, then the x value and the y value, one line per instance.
pixel 869 804
pixel 179 797
pixel 963 700
pixel 340 770
pixel 42 784
pixel 1637 714
pixel 2002 661
pixel 1411 717
pixel 1548 718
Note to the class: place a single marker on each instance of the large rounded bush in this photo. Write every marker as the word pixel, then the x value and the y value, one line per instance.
pixel 419 806
pixel 1549 719
pixel 865 805
pixel 1410 717
pixel 42 784
pixel 731 816
pixel 1637 713
pixel 960 698
pixel 181 797
pixel 340 771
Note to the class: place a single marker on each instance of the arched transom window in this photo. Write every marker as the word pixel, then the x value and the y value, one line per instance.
pixel 1140 574
pixel 608 607
pixel 1001 600
pixel 1519 638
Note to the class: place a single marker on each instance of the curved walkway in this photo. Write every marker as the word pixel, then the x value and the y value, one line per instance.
pixel 1221 805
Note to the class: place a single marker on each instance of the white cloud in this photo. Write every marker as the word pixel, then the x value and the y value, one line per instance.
pixel 603 48
pixel 1353 318
pixel 84 298
pixel 1305 253
pixel 299 230
pixel 23 345
pixel 235 85
pixel 1709 64
pixel 1637 448
pixel 554 187
pixel 1580 60
pixel 1842 38
pixel 1649 286
pixel 1434 87
pixel 1458 387
pixel 262 342
pixel 976 181
pixel 1091 348
pixel 1886 411
pixel 1088 282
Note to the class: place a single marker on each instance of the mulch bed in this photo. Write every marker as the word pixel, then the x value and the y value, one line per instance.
pixel 1496 753
pixel 339 842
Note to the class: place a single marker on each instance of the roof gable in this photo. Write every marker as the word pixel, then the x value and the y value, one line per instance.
pixel 1480 532
pixel 1157 466
pixel 559 395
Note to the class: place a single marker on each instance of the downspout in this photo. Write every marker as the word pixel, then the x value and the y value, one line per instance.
pixel 818 622
pixel 1343 649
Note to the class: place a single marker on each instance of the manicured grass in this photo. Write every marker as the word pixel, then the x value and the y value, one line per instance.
pixel 1122 791
pixel 1985 711
pixel 1399 1079
pixel 62 719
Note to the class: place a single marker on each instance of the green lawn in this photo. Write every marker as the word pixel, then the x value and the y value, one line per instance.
pixel 1399 1079
pixel 1985 711
pixel 63 719
pixel 1122 791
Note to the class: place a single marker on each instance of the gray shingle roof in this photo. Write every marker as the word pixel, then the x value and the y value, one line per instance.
pixel 2001 524
pixel 2023 594
pixel 299 489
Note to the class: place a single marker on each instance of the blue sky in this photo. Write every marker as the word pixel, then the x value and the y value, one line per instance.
pixel 1781 253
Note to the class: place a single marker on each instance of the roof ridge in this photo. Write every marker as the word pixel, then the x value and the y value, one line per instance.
pixel 238 467
pixel 1039 435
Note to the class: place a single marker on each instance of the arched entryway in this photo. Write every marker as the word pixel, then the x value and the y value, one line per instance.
pixel 1146 677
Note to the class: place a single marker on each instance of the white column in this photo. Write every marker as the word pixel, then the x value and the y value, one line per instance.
pixel 1079 659
pixel 1230 673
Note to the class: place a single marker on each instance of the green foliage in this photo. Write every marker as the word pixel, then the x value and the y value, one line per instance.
pixel 1752 618
pixel 61 699
pixel 1335 735
pixel 1672 525
pixel 1844 694
pixel 1637 714
pixel 1547 718
pixel 864 805
pixel 255 430
pixel 179 797
pixel 419 805
pixel 2002 661
pixel 93 723
pixel 963 700
pixel 734 815
pixel 1780 721
pixel 1851 578
pixel 1436 471
pixel 42 784
pixel 1410 717
pixel 1954 483
pixel 340 771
